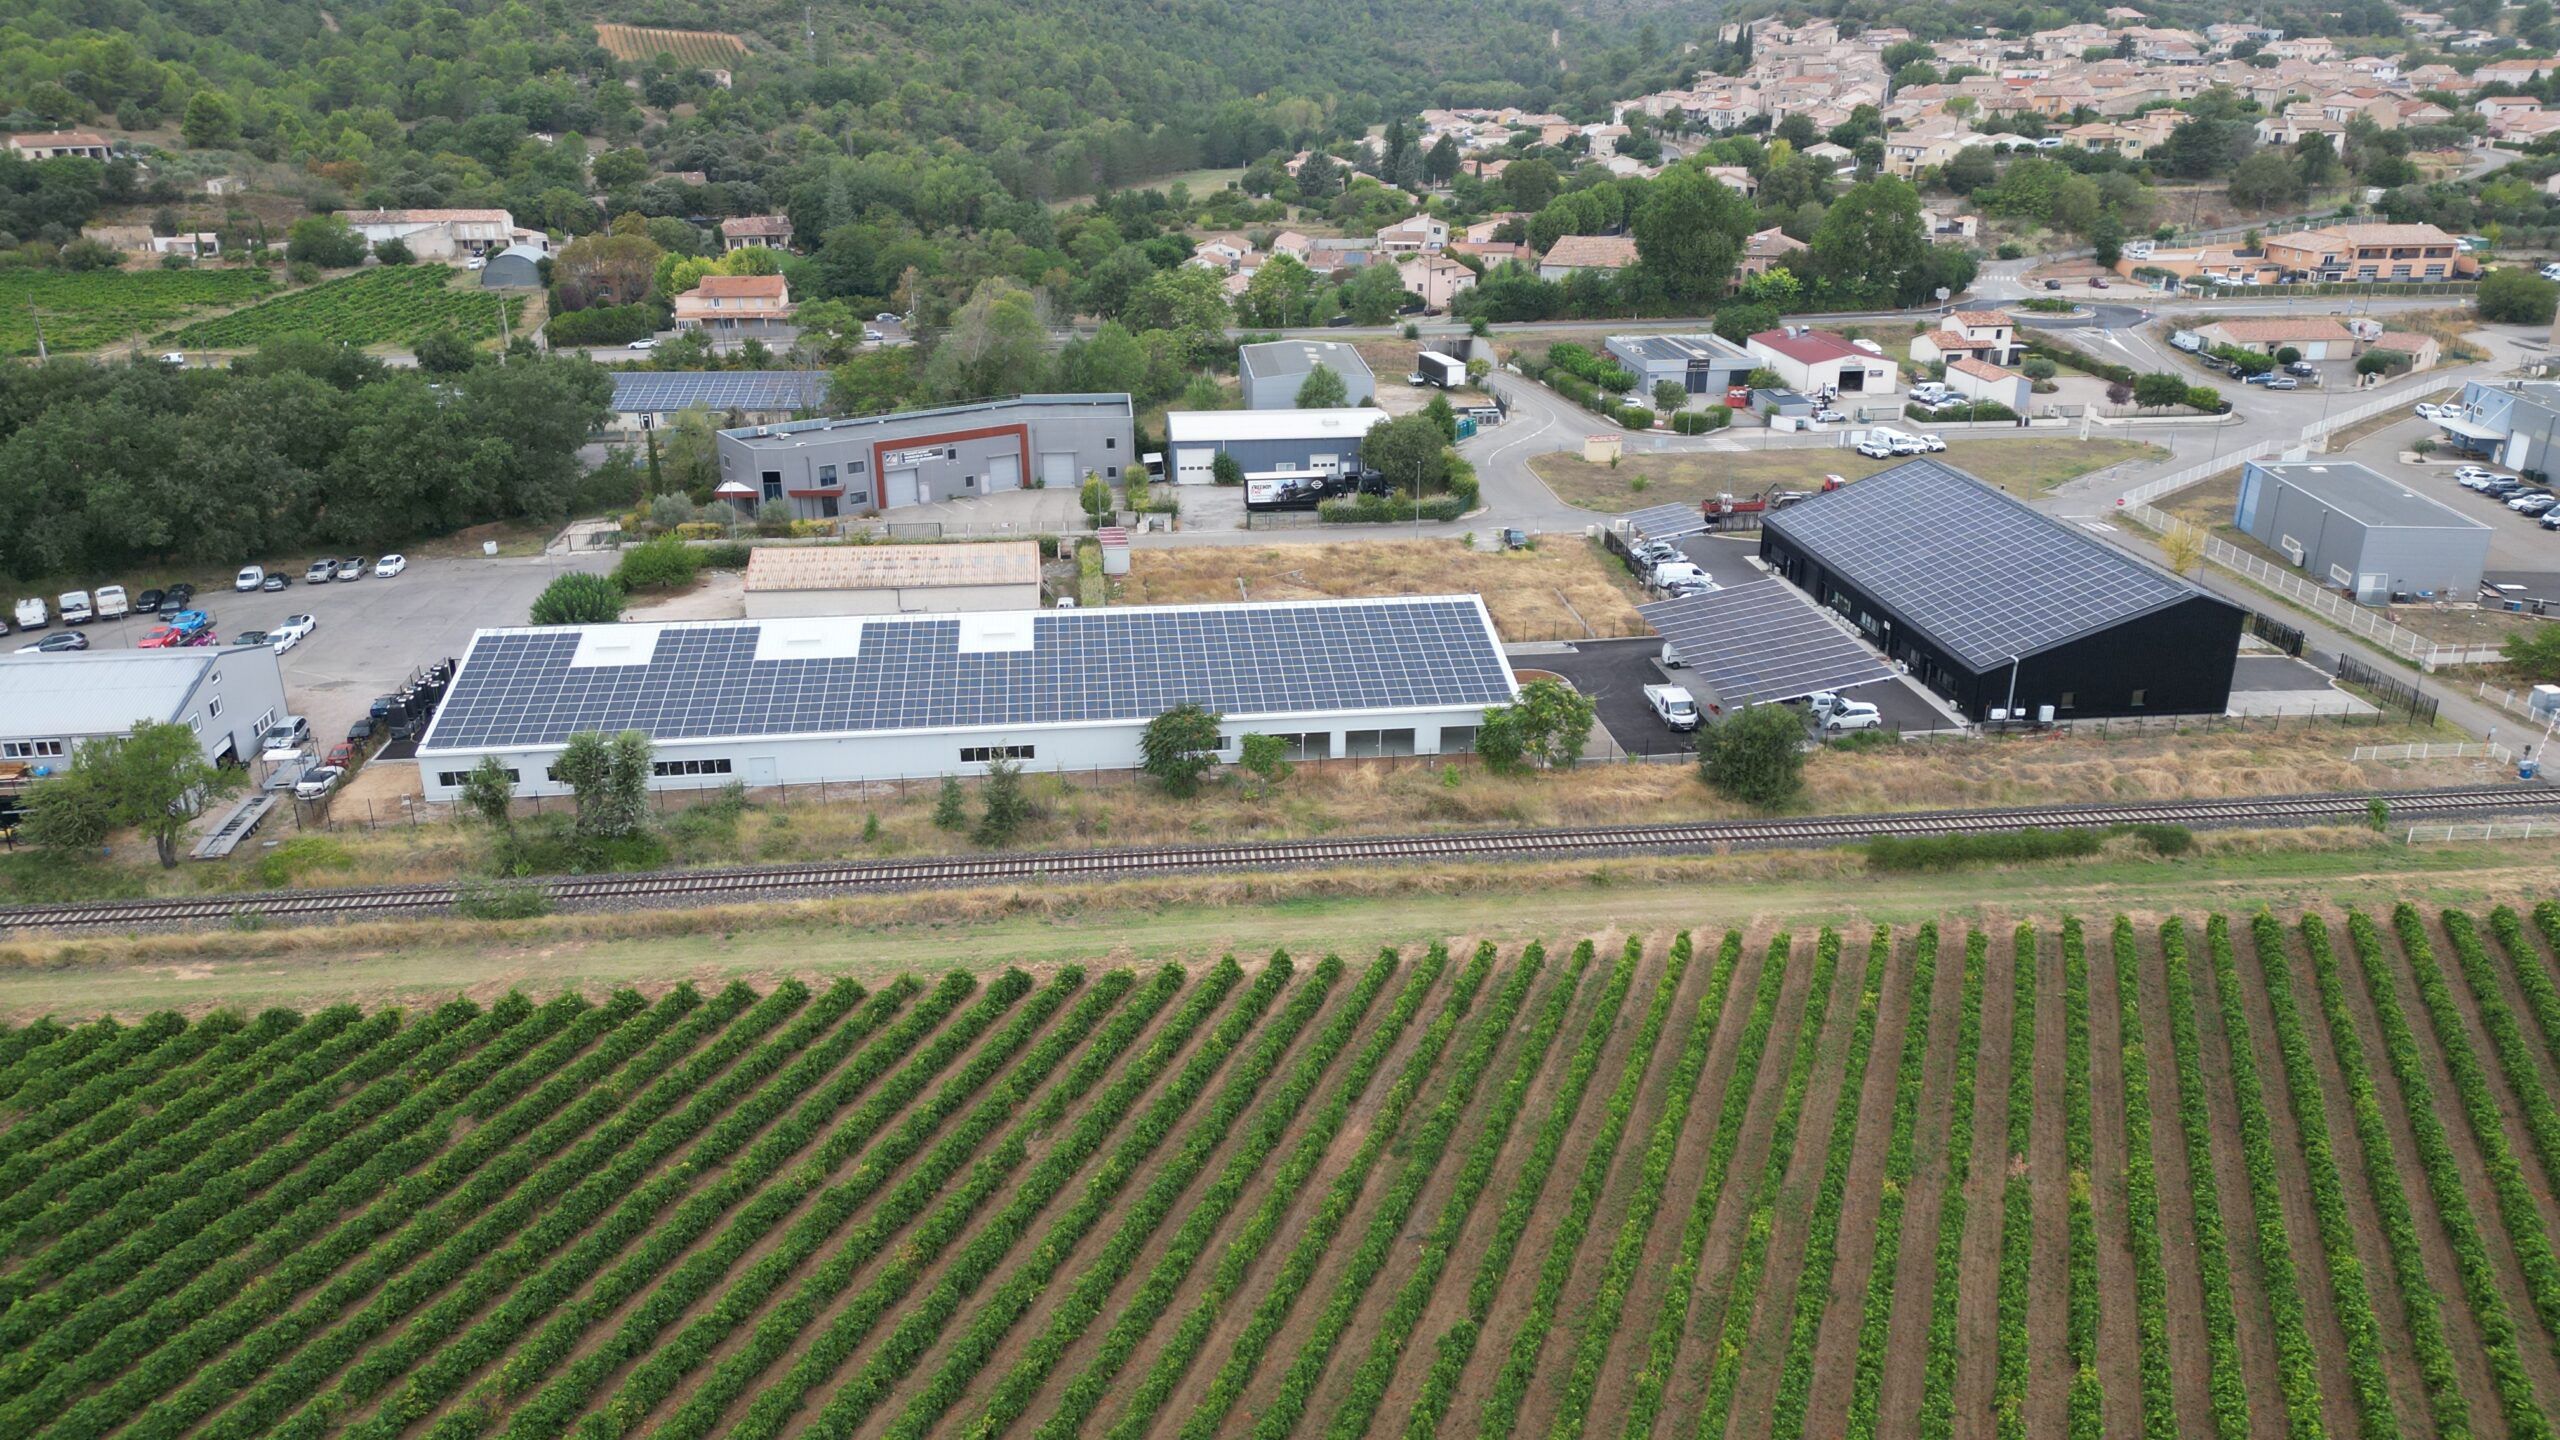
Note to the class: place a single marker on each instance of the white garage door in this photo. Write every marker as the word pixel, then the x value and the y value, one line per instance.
pixel 1327 464
pixel 1004 472
pixel 1058 469
pixel 900 489
pixel 1192 466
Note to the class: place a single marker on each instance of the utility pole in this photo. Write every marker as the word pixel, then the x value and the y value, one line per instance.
pixel 38 317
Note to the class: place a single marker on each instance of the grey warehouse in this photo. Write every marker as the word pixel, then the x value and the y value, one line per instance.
pixel 865 464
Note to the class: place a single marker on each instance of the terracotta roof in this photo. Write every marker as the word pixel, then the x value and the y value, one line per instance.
pixel 57 140
pixel 428 217
pixel 1958 340
pixel 881 567
pixel 1982 370
pixel 756 225
pixel 1604 252
pixel 740 287
pixel 1981 317
pixel 2402 341
pixel 1772 241
pixel 2263 331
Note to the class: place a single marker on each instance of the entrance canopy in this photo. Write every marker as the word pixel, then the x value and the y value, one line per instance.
pixel 2472 430
pixel 1764 641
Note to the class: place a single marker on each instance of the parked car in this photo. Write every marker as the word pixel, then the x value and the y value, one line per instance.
pixel 2551 519
pixel 354 568
pixel 294 630
pixel 642 345
pixel 2427 411
pixel 75 607
pixel 162 637
pixel 389 565
pixel 249 578
pixel 56 644
pixel 148 602
pixel 2502 489
pixel 2097 282
pixel 254 637
pixel 2532 502
pixel 1835 713
pixel 2053 284
pixel 286 733
pixel 1673 706
pixel 341 756
pixel 1932 444
pixel 2474 472
pixel 2481 479
pixel 475 263
pixel 320 573
pixel 32 615
pixel 361 731
pixel 1650 553
pixel 1676 572
pixel 2283 382
pixel 111 603
pixel 1828 416
pixel 2302 367
pixel 1875 449
pixel 180 596
pixel 318 783
pixel 275 582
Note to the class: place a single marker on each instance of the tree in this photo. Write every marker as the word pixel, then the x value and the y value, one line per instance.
pixel 2516 297
pixel 1871 245
pixel 324 240
pixel 2158 389
pixel 1441 164
pixel 211 121
pixel 1530 183
pixel 1265 758
pixel 994 345
pixel 578 598
pixel 2183 548
pixel 951 805
pixel 663 563
pixel 1548 725
pixel 1443 415
pixel 610 778
pixel 394 251
pixel 1095 497
pixel 1282 292
pixel 2315 159
pixel 1004 806
pixel 1374 294
pixel 1410 450
pixel 1755 755
pixel 2106 241
pixel 1179 746
pixel 1970 169
pixel 1669 395
pixel 693 451
pixel 446 353
pixel 489 794
pixel 2264 181
pixel 1689 232
pixel 1225 469
pixel 2534 654
pixel 606 269
pixel 154 779
pixel 1323 390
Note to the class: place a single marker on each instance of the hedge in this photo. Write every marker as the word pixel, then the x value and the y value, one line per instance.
pixel 1949 414
pixel 2039 343
pixel 1381 510
pixel 1945 1347
pixel 2083 1418
pixel 2017 1216
pixel 606 324
pixel 1456 1346
pixel 2225 1385
pixel 2142 1199
pixel 1634 417
pixel 1701 422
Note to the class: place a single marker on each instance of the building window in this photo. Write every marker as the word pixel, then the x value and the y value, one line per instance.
pixel 195 724
pixel 1372 744
pixel 2136 698
pixel 858 497
pixel 981 754
pixel 266 722
pixel 773 484
pixel 1457 739
pixel 1110 442
pixel 1111 472
pixel 454 779
pixel 31 750
pixel 213 707
pixel 826 476
pixel 2065 702
pixel 827 507
pixel 860 467
pixel 688 767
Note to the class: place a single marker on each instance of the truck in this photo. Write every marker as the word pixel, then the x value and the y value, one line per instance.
pixel 75 607
pixel 1673 706
pixel 1445 371
pixel 31 614
pixel 112 604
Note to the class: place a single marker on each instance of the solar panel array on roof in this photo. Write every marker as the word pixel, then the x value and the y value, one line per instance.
pixel 1667 522
pixel 1764 641
pixel 704 681
pixel 662 391
pixel 1977 572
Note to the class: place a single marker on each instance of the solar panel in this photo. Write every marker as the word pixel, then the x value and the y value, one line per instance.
pixel 703 681
pixel 661 391
pixel 1764 641
pixel 1667 522
pixel 1975 571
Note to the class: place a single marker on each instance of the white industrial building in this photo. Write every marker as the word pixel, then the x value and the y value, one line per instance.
pixel 839 699
pixel 1325 442
pixel 789 580
pixel 51 704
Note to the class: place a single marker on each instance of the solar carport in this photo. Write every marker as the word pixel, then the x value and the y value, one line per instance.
pixel 1668 522
pixel 1763 641
pixel 1996 605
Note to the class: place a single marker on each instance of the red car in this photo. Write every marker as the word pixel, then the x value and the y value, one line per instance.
pixel 164 637
pixel 341 756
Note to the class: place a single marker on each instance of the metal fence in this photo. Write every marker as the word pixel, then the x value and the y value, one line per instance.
pixel 2498 753
pixel 2503 830
pixel 2389 691
pixel 2287 638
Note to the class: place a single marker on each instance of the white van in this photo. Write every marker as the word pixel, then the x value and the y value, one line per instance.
pixel 1930 392
pixel 111 602
pixel 75 607
pixel 31 614
pixel 249 578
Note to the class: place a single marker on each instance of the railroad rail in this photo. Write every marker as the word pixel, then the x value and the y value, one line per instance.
pixel 659 888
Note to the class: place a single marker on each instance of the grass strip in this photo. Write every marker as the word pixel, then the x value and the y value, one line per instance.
pixel 1937 1419
pixel 2017 1212
pixel 2142 1200
pixel 2225 1382
pixel 1875 1324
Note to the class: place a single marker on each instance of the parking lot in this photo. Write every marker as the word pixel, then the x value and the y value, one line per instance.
pixel 2517 543
pixel 371 634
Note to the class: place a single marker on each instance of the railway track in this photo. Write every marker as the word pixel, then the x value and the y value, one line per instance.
pixel 657 888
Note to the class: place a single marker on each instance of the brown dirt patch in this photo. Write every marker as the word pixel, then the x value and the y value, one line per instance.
pixel 2048 1271
pixel 2118 1338
pixel 1915 1281
pixel 1978 1300
pixel 2023 467
pixel 1564 589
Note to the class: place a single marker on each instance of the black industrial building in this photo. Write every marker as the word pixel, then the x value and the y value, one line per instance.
pixel 1996 606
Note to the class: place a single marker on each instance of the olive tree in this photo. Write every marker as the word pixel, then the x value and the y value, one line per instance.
pixel 1755 755
pixel 578 598
pixel 154 779
pixel 1179 746
pixel 489 794
pixel 1548 725
pixel 610 777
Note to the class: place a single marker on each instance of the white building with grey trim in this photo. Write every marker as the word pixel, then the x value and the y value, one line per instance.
pixel 50 705
pixel 861 465
pixel 1273 373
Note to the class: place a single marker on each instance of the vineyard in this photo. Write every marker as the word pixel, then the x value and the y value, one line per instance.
pixel 393 304
pixel 2256 1177
pixel 87 310
pixel 689 47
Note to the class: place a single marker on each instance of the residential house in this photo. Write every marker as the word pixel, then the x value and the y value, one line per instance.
pixel 1838 157
pixel 1982 380
pixel 1604 254
pixel 770 232
pixel 1990 327
pixel 436 234
pixel 1291 244
pixel 1487 228
pixel 1947 346
pixel 1418 235
pixel 1330 255
pixel 1951 228
pixel 2423 351
pixel 2102 135
pixel 729 305
pixel 2370 252
pixel 60 145
pixel 2317 336
pixel 1813 362
pixel 1734 177
pixel 195 245
pixel 2207 263
pixel 1224 252
pixel 1435 280
pixel 1766 251
pixel 1490 253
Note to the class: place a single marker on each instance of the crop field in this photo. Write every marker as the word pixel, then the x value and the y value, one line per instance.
pixel 2253 1177
pixel 393 304
pixel 87 310
pixel 689 47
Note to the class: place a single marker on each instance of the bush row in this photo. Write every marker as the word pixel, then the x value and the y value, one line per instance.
pixel 2017 1216
pixel 161 1108
pixel 1671 1322
pixel 2516 1206
pixel 1876 1320
pixel 761 1191
pixel 1137 1317
pixel 2351 1297
pixel 283 1326
pixel 1583 363
pixel 2540 995
pixel 58 1098
pixel 776 1404
pixel 1395 1208
pixel 1822 1237
pixel 902 1350
pixel 1732 1327
pixel 1456 1346
pixel 99 1310
pixel 1945 1348
pixel 1298 1267
pixel 2297 1364
pixel 2224 1383
pixel 451 1243
pixel 607 324
pixel 2399 1224
pixel 830 1209
pixel 2083 1419
pixel 1391 509
pixel 2142 1199
pixel 1949 414
pixel 1368 1386
pixel 2506 1033
pixel 1520 1368
pixel 178 1337
pixel 1701 422
pixel 1600 1321
pixel 743 1080
pixel 67 1047
pixel 2038 342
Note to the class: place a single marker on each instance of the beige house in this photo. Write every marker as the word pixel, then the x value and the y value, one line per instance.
pixel 1435 280
pixel 60 145
pixel 725 305
pixel 1766 251
pixel 2318 338
pixel 1607 254
pixel 772 232
pixel 436 234
pixel 1419 235
pixel 1982 380
pixel 2370 252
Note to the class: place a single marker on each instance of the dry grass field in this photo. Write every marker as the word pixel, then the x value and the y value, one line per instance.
pixel 2025 468
pixel 712 48
pixel 1564 589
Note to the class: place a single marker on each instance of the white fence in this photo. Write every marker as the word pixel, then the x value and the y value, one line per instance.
pixel 2328 604
pixel 2499 753
pixel 2502 830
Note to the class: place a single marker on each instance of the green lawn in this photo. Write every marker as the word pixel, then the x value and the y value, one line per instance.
pixel 2024 468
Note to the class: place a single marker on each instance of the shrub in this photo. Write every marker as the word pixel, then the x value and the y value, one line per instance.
pixel 489 900
pixel 2037 367
pixel 1755 755
pixel 1180 746
pixel 1635 417
pixel 1950 852
pixel 1701 422
pixel 665 563
pixel 578 598
pixel 606 324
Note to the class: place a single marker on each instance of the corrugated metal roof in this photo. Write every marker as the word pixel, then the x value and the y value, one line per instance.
pixel 661 391
pixel 97 692
pixel 885 567
pixel 1197 427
